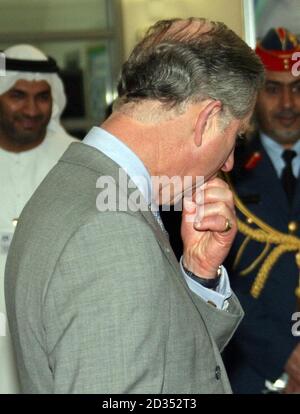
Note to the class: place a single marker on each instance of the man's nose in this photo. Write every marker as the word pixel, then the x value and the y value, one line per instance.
pixel 30 108
pixel 228 165
pixel 287 98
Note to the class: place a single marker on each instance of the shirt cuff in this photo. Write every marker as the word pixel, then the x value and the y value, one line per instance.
pixel 218 297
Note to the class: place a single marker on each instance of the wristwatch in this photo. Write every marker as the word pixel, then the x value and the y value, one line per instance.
pixel 207 283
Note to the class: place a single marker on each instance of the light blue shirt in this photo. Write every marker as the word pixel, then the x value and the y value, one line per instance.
pixel 122 155
pixel 275 150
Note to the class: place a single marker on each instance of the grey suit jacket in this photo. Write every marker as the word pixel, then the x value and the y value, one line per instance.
pixel 96 300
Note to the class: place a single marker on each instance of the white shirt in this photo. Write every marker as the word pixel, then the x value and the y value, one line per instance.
pixel 135 169
pixel 20 175
pixel 275 151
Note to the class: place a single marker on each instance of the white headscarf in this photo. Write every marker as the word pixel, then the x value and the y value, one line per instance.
pixel 28 52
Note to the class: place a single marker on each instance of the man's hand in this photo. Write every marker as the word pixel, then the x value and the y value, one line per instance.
pixel 205 241
pixel 292 368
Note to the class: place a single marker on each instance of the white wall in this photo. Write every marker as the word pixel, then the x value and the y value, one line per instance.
pixel 274 13
pixel 47 15
pixel 140 14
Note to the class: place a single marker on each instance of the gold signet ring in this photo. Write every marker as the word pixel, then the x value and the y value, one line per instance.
pixel 228 225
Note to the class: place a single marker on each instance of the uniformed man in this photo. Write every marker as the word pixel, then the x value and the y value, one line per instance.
pixel 265 356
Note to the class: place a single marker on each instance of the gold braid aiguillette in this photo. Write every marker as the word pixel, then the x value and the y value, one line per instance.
pixel 267 235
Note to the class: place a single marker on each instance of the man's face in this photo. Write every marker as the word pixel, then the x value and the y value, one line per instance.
pixel 215 154
pixel 25 111
pixel 278 107
pixel 219 148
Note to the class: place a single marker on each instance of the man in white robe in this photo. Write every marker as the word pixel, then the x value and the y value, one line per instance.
pixel 32 140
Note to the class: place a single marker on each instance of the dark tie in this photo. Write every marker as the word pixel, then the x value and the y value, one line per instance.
pixel 287 177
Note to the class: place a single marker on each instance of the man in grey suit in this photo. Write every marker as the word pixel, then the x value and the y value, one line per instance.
pixel 97 302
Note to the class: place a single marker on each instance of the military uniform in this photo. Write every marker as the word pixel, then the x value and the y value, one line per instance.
pixel 264 340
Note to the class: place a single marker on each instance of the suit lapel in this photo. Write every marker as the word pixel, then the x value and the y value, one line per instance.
pixel 162 238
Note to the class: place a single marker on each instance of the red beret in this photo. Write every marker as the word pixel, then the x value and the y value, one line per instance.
pixel 277 48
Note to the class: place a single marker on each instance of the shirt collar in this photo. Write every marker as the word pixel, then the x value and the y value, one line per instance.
pixel 275 150
pixel 122 155
pixel 273 146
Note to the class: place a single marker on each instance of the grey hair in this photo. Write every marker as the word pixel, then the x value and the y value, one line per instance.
pixel 187 61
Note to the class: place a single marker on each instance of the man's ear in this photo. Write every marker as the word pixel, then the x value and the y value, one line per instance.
pixel 207 112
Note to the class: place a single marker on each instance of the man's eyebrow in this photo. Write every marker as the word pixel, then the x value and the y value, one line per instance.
pixel 20 90
pixel 272 82
pixel 46 91
pixel 277 83
pixel 17 90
